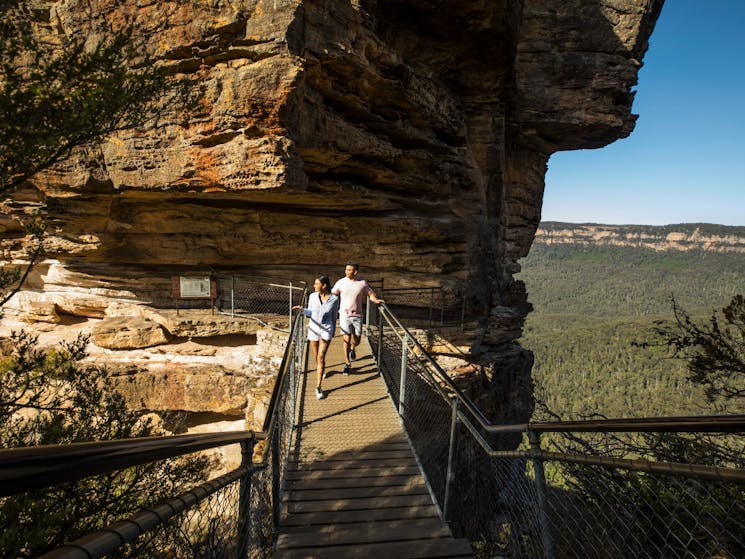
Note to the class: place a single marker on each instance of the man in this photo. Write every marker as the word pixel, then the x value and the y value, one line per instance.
pixel 352 292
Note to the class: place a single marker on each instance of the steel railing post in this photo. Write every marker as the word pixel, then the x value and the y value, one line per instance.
pixel 232 296
pixel 275 446
pixel 367 316
pixel 291 382
pixel 380 342
pixel 540 486
pixel 244 500
pixel 431 304
pixel 290 308
pixel 442 308
pixel 402 377
pixel 451 458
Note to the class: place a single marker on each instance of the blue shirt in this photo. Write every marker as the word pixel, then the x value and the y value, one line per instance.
pixel 322 315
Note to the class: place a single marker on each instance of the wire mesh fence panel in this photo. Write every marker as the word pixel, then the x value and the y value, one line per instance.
pixel 646 513
pixel 390 360
pixel 142 506
pixel 425 412
pixel 267 490
pixel 600 512
pixel 210 529
pixel 256 296
pixel 493 502
pixel 427 307
pixel 427 417
pixel 518 506
pixel 240 520
pixel 261 529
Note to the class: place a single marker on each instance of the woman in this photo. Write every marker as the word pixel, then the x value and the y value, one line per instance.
pixel 322 310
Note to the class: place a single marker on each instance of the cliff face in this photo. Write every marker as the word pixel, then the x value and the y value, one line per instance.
pixel 410 135
pixel 682 237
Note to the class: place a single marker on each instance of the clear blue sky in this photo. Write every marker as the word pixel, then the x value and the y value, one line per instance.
pixel 685 160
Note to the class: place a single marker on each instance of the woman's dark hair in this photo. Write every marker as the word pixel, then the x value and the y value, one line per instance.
pixel 325 284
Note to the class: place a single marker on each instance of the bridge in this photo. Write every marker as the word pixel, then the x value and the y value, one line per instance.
pixel 398 461
pixel 353 485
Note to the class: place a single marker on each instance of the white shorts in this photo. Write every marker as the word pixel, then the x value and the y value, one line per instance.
pixel 351 324
pixel 314 336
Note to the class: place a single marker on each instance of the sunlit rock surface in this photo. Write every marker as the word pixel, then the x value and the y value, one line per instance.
pixel 410 135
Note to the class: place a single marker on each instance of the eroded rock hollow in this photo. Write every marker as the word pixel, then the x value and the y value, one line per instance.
pixel 410 135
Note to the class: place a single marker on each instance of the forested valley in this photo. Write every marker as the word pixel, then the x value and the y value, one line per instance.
pixel 593 303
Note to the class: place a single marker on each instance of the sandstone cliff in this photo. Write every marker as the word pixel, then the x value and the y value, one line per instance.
pixel 683 237
pixel 411 135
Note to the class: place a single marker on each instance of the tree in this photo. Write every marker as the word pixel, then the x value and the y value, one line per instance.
pixel 62 90
pixel 65 89
pixel 714 352
pixel 49 397
pixel 672 515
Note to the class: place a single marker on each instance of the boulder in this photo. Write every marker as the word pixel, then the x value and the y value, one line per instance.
pixel 186 387
pixel 39 311
pixel 124 332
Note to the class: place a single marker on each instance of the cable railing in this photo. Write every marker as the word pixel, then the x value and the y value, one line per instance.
pixel 426 307
pixel 257 298
pixel 431 308
pixel 261 299
pixel 233 515
pixel 649 487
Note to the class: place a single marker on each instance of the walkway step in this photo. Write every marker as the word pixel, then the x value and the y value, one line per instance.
pixel 316 494
pixel 413 549
pixel 401 530
pixel 310 474
pixel 382 525
pixel 316 519
pixel 355 481
pixel 368 454
pixel 359 504
pixel 352 464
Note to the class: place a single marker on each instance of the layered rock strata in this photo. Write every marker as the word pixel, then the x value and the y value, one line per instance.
pixel 412 136
pixel 681 237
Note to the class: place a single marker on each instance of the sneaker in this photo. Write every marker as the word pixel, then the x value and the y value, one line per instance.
pixel 319 393
pixel 352 354
pixel 347 368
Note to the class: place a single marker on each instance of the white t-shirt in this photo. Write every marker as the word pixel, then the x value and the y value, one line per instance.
pixel 352 294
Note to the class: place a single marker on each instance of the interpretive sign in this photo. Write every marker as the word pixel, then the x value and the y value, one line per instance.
pixel 194 287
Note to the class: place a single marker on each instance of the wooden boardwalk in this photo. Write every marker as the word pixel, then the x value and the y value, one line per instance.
pixel 353 486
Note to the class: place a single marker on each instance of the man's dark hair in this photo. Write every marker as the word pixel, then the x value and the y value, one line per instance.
pixel 353 264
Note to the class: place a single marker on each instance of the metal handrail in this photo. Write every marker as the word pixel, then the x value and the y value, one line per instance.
pixel 732 423
pixel 270 418
pixel 28 468
pixel 699 471
pixel 105 542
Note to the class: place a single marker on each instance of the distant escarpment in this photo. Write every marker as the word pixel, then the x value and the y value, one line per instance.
pixel 410 135
pixel 684 236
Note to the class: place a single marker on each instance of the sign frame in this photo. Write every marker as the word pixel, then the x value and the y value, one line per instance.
pixel 191 287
